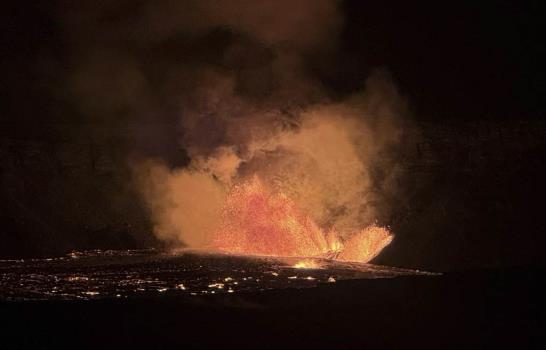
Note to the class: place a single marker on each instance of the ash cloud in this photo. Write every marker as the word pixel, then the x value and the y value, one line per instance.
pixel 322 155
pixel 233 77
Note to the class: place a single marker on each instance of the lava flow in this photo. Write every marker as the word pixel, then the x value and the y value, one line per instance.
pixel 258 221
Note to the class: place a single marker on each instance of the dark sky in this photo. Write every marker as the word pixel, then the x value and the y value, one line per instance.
pixel 464 60
pixel 459 61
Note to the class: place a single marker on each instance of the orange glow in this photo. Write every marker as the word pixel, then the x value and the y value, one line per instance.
pixel 258 221
pixel 307 264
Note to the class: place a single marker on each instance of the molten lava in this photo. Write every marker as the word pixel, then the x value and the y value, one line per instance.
pixel 258 221
pixel 307 264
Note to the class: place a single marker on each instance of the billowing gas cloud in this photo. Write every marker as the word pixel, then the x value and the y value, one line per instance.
pixel 233 76
pixel 321 156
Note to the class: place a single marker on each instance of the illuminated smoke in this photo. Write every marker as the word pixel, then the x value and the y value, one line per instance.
pixel 297 187
pixel 248 107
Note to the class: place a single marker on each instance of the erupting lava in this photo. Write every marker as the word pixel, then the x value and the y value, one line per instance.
pixel 307 264
pixel 258 221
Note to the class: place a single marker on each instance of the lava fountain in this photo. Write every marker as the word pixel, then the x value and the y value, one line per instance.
pixel 258 221
pixel 304 190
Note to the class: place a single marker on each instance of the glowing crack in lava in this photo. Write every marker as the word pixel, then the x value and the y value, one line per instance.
pixel 257 221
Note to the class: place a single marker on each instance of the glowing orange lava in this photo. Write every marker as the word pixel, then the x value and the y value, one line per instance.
pixel 307 264
pixel 257 221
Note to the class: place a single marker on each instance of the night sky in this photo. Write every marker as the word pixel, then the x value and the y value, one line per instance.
pixel 453 63
pixel 462 61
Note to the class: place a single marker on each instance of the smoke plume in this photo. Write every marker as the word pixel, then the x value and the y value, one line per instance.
pixel 233 77
pixel 320 154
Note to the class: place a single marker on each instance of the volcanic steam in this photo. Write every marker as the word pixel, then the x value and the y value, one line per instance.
pixel 275 161
pixel 302 189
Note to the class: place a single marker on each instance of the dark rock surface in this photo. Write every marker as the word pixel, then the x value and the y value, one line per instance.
pixel 488 309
